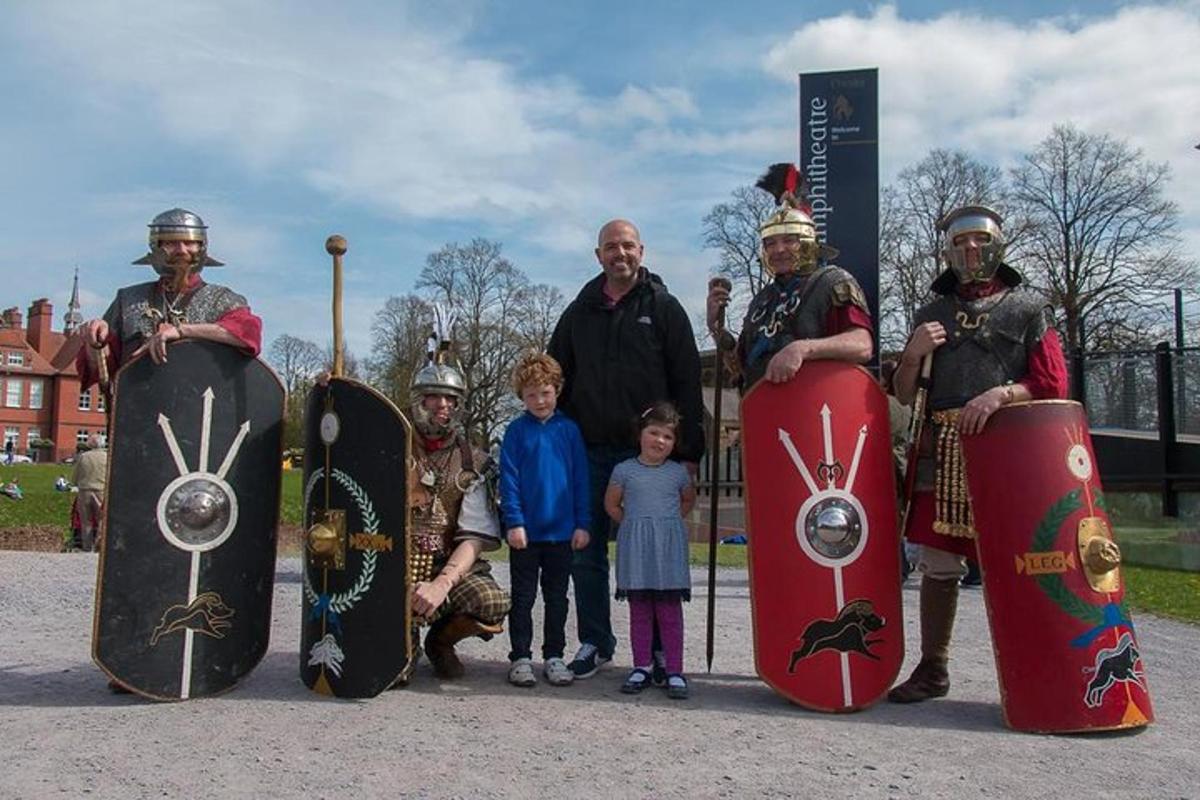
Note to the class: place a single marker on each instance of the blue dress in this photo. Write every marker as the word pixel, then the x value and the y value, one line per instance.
pixel 652 542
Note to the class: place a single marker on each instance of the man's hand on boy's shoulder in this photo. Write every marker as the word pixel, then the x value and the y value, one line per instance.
pixel 516 538
pixel 580 539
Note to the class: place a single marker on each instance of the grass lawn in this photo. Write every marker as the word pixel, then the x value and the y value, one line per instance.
pixel 1165 592
pixel 41 505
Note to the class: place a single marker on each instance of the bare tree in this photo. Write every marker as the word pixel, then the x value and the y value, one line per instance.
pixel 399 335
pixel 541 306
pixel 350 365
pixel 1102 234
pixel 909 241
pixel 731 228
pixel 486 292
pixel 296 360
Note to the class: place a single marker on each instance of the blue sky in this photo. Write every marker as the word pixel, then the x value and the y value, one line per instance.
pixel 407 125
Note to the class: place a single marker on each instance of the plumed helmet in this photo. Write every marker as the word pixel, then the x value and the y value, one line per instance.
pixel 439 376
pixel 792 217
pixel 177 225
pixel 972 219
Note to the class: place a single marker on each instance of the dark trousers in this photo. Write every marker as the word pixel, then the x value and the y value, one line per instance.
pixel 553 561
pixel 589 570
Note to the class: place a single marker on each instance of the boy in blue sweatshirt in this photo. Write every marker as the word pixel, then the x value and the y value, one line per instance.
pixel 546 512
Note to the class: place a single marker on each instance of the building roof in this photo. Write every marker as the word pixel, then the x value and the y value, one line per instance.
pixel 56 357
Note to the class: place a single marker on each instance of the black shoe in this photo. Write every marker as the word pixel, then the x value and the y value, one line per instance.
pixel 677 687
pixel 587 661
pixel 637 680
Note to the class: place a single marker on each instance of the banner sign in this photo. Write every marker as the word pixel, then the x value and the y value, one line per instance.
pixel 839 156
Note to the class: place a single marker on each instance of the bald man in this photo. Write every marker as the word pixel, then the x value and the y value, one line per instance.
pixel 624 344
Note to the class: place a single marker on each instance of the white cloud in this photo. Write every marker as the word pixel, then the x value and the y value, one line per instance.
pixel 334 120
pixel 399 119
pixel 654 105
pixel 995 88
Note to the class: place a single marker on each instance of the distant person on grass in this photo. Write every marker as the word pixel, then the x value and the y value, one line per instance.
pixel 91 471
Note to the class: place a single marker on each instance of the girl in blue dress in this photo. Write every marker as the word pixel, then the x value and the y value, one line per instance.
pixel 648 496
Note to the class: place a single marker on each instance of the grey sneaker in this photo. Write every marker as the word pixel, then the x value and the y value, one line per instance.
pixel 521 673
pixel 556 673
pixel 587 661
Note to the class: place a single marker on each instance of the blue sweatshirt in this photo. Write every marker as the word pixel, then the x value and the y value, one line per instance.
pixel 544 478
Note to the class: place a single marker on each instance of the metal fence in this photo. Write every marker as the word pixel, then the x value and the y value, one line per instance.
pixel 730 484
pixel 1126 389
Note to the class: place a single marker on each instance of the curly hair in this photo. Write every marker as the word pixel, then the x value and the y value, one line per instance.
pixel 536 369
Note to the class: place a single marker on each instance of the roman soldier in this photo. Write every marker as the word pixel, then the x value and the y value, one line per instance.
pixel 179 304
pixel 810 310
pixel 991 343
pixel 454 520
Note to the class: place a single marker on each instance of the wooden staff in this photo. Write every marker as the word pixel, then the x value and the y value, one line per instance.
pixel 336 246
pixel 914 446
pixel 714 472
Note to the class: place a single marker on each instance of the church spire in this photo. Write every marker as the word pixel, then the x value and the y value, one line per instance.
pixel 73 319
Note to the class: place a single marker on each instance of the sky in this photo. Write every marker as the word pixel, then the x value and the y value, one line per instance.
pixel 404 126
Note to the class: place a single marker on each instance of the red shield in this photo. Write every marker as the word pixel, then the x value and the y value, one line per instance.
pixel 824 554
pixel 1066 653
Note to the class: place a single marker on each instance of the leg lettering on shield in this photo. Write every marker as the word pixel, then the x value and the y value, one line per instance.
pixel 849 632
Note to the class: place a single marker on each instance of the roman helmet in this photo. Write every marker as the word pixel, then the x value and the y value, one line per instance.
pixel 973 219
pixel 792 216
pixel 177 225
pixel 440 375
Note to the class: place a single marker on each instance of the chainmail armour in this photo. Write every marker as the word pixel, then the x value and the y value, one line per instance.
pixel 138 310
pixel 793 308
pixel 988 341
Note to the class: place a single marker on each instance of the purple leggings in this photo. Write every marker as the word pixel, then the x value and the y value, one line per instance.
pixel 643 611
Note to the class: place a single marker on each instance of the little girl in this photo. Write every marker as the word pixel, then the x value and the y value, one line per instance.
pixel 649 497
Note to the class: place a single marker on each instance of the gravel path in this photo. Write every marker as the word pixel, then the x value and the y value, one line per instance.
pixel 65 735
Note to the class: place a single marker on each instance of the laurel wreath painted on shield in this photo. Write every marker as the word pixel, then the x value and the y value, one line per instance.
pixel 1053 584
pixel 344 601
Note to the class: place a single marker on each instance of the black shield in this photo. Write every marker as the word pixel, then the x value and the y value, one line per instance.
pixel 355 640
pixel 187 566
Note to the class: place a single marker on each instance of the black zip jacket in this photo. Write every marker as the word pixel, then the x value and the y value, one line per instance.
pixel 618 360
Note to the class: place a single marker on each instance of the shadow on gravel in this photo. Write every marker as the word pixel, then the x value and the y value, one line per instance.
pixel 70 687
pixel 276 679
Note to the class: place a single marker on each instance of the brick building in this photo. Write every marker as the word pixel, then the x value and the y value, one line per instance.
pixel 39 387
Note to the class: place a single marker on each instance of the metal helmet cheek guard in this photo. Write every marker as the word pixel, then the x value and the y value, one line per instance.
pixel 973 219
pixel 177 225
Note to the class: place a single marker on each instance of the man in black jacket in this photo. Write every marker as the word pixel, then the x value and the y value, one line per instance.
pixel 623 343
